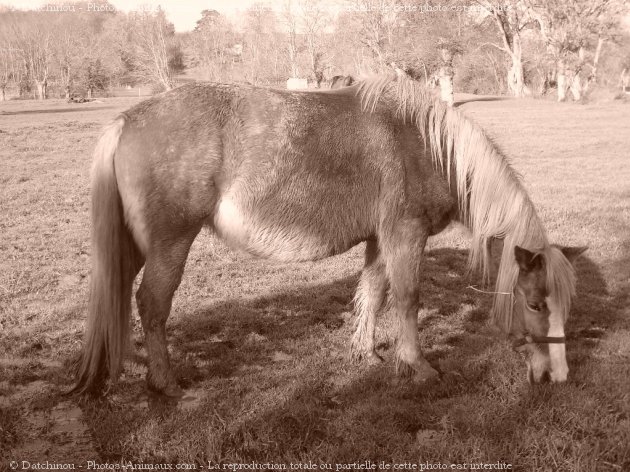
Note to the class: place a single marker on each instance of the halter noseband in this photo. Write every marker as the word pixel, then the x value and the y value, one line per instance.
pixel 531 339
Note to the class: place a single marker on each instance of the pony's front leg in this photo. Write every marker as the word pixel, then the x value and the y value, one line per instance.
pixel 368 301
pixel 402 251
pixel 162 274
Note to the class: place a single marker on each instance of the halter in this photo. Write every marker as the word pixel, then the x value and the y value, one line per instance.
pixel 527 338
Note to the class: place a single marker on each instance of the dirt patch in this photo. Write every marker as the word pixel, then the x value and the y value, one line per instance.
pixel 54 432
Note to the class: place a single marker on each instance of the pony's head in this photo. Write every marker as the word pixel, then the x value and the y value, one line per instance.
pixel 542 299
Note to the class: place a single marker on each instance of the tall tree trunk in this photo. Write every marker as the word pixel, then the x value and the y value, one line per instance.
pixel 446 85
pixel 426 75
pixel 319 77
pixel 292 49
pixel 561 80
pixel 515 75
pixel 598 52
pixel 576 86
pixel 68 80
pixel 167 84
pixel 3 97
pixel 65 77
pixel 446 74
pixel 21 90
pixel 510 26
pixel 42 89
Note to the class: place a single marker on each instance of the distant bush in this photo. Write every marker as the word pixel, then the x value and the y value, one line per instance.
pixel 603 93
pixel 473 75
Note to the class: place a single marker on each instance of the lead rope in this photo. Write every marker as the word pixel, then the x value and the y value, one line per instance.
pixel 472 287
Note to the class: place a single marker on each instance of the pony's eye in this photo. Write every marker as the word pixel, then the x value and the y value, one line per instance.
pixel 534 308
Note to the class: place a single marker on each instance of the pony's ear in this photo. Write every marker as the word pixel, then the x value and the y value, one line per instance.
pixel 572 253
pixel 527 260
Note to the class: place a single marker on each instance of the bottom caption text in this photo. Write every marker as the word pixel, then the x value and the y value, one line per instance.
pixel 260 466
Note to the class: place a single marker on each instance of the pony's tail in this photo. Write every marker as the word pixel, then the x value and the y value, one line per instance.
pixel 114 264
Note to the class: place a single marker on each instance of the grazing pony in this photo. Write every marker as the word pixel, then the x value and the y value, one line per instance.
pixel 300 176
pixel 340 81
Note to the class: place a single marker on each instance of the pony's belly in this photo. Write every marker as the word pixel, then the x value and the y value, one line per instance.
pixel 263 237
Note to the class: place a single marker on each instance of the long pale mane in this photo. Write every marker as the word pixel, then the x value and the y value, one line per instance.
pixel 492 200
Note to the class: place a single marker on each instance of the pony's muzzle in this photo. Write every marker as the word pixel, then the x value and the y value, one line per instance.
pixel 559 375
pixel 545 374
pixel 540 377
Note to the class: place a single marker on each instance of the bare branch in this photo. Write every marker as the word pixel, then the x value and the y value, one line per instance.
pixel 500 48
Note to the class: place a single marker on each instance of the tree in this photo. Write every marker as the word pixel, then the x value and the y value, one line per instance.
pixel 511 18
pixel 210 45
pixel 7 66
pixel 119 53
pixel 67 43
pixel 428 41
pixel 262 48
pixel 94 77
pixel 290 19
pixel 569 28
pixel 10 64
pixel 364 37
pixel 78 43
pixel 153 39
pixel 376 29
pixel 448 50
pixel 33 40
pixel 417 36
pixel 314 19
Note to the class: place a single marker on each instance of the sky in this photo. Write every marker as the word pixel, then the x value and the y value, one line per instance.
pixel 183 13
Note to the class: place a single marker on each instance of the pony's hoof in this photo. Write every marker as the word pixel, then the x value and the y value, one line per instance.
pixel 371 357
pixel 420 372
pixel 171 390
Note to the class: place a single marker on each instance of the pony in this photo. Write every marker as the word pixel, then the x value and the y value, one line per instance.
pixel 304 175
pixel 339 81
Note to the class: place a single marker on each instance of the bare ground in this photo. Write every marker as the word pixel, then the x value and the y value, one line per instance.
pixel 262 348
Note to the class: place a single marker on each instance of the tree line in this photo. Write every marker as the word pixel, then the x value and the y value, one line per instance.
pixel 78 50
pixel 520 47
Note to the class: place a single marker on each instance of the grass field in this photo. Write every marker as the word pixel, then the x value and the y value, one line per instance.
pixel 262 348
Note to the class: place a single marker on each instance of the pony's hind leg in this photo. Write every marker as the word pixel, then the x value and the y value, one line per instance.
pixel 162 274
pixel 402 252
pixel 369 299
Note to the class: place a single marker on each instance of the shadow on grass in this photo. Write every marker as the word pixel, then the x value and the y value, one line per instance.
pixel 373 418
pixel 273 381
pixel 587 416
pixel 599 308
pixel 236 332
pixel 240 332
pixel 459 103
pixel 339 411
pixel 305 399
pixel 56 110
